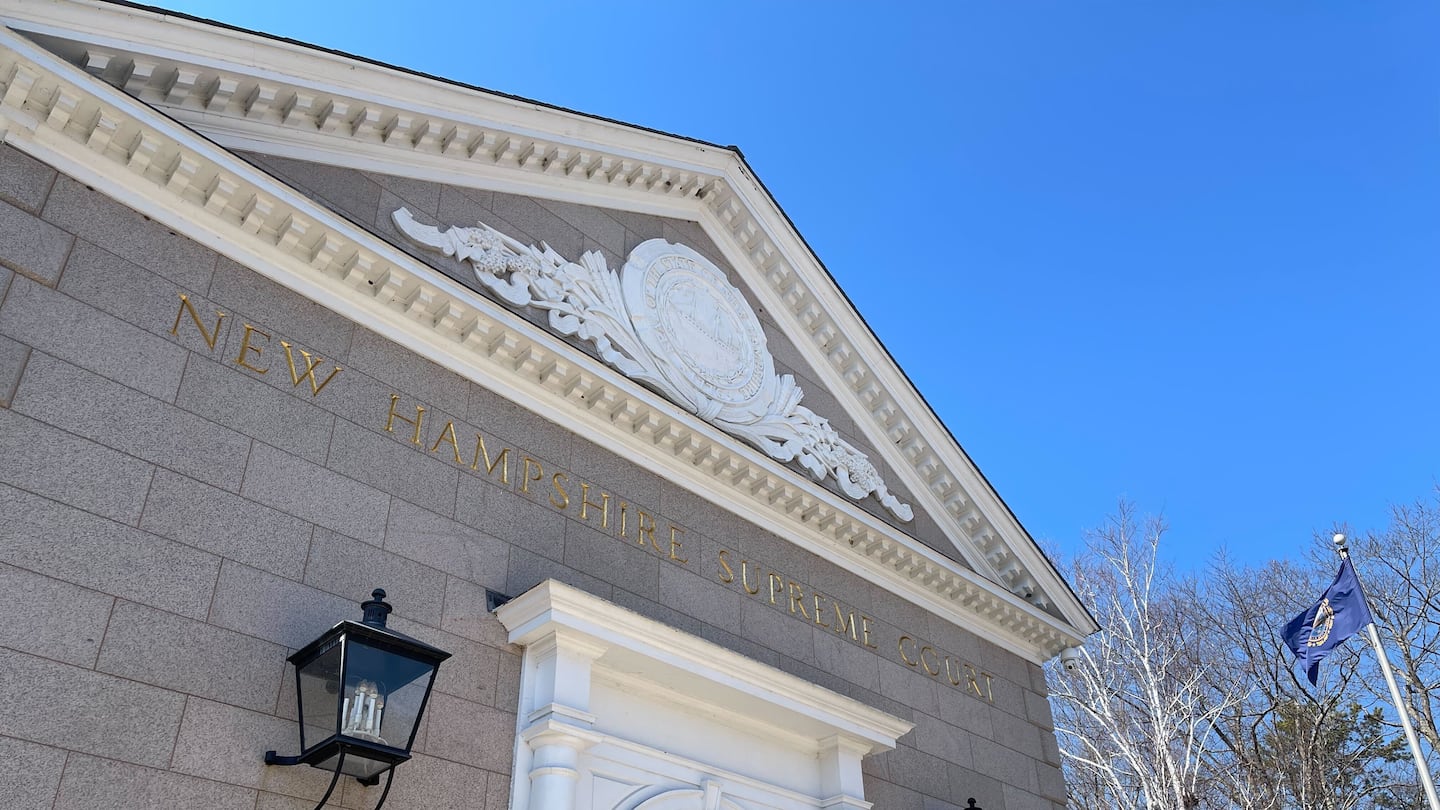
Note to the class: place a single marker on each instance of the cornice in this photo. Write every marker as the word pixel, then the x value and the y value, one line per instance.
pixel 164 169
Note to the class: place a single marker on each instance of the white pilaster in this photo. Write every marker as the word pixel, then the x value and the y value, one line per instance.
pixel 557 711
pixel 554 758
pixel 841 781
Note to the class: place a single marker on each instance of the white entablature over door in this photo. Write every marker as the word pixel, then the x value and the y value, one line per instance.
pixel 621 712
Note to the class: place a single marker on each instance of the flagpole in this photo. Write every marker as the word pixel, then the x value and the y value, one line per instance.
pixel 1420 766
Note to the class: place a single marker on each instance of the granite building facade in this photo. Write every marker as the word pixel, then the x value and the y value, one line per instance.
pixel 237 392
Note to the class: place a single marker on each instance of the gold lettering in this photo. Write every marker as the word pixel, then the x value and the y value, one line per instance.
pixel 643 531
pixel 186 306
pixel 865 631
pixel 950 672
pixel 481 452
pixel 971 676
pixel 526 477
pixel 815 600
pixel 449 432
pixel 245 346
pixel 926 664
pixel 797 599
pixel 745 578
pixel 989 685
pixel 776 579
pixel 310 366
pixel 844 622
pixel 675 544
pixel 903 656
pixel 727 574
pixel 564 501
pixel 603 505
pixel 390 421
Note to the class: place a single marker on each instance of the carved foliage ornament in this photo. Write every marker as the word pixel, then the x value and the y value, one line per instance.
pixel 671 320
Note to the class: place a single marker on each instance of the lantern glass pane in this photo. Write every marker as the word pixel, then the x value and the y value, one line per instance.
pixel 384 693
pixel 356 764
pixel 319 686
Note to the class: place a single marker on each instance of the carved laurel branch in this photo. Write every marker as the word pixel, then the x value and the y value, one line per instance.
pixel 584 301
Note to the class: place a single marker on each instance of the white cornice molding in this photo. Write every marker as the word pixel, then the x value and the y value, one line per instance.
pixel 164 170
pixel 655 651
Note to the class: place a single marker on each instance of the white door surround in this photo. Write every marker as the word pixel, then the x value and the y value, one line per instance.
pixel 621 712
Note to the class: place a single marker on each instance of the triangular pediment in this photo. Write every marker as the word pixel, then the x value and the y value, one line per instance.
pixel 230 138
pixel 696 333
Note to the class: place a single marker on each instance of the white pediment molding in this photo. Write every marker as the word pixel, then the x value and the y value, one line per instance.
pixel 68 118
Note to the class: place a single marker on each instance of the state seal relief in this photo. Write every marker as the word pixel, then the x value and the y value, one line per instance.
pixel 671 320
pixel 690 318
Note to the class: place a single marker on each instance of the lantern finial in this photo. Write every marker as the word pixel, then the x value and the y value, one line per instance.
pixel 375 610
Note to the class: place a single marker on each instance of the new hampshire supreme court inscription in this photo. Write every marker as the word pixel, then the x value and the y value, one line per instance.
pixel 563 490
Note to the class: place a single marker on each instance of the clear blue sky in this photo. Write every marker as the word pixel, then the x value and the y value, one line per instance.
pixel 1184 253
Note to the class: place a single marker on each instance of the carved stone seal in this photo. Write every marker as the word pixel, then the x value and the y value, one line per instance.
pixel 690 317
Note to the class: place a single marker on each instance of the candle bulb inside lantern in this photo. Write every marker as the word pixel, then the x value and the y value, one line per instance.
pixel 364 712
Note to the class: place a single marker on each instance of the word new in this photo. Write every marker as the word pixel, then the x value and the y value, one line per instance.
pixel 253 346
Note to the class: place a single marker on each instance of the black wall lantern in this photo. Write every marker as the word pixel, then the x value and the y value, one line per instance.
pixel 361 689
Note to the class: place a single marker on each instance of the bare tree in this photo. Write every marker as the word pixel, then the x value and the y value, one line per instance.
pixel 1189 698
pixel 1136 710
pixel 1290 746
pixel 1400 570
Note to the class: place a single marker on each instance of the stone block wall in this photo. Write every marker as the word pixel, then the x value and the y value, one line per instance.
pixel 187 497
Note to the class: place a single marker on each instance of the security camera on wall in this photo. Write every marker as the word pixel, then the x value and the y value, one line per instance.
pixel 1070 658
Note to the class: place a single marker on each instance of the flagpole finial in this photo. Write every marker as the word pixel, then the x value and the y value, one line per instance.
pixel 1340 547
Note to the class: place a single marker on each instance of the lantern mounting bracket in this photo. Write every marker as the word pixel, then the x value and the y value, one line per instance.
pixel 273 758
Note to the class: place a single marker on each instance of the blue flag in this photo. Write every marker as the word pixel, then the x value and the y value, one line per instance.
pixel 1340 612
